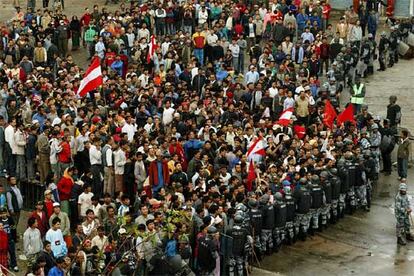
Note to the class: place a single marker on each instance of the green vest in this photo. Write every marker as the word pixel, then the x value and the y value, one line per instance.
pixel 357 98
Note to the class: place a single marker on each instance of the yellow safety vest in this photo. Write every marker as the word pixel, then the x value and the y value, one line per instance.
pixel 357 98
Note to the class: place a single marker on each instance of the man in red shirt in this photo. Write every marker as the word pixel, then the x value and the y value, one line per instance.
pixel 199 41
pixel 324 49
pixel 65 155
pixel 326 13
pixel 85 20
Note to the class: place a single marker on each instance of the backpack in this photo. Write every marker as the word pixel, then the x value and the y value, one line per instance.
pixel 387 142
pixel 398 116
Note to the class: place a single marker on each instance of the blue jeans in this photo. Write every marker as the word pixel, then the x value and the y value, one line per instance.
pixel 402 166
pixel 199 54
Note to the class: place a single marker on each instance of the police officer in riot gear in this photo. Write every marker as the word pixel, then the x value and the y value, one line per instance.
pixel 280 212
pixel 394 41
pixel 383 51
pixel 207 252
pixel 370 171
pixel 375 141
pixel 318 200
pixel 290 215
pixel 303 200
pixel 361 183
pixel 268 224
pixel 349 180
pixel 256 222
pixel 336 192
pixel 241 244
pixel 327 189
pixel 372 54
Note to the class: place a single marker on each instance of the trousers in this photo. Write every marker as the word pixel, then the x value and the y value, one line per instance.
pixel 236 266
pixel 315 217
pixel 109 180
pixel 403 226
pixel 361 195
pixel 402 166
pixel 266 239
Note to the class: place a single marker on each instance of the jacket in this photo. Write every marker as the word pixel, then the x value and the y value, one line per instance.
pixel 404 149
pixel 65 185
pixel 20 142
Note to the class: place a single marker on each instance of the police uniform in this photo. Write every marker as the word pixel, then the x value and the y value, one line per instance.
pixel 241 243
pixel 268 224
pixel 290 215
pixel 303 203
pixel 336 192
pixel 327 189
pixel 318 200
pixel 256 222
pixel 280 212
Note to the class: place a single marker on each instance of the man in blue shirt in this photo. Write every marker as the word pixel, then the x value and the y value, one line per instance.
pixel 57 270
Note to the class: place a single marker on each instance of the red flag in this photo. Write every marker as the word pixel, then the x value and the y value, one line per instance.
pixel 284 118
pixel 251 176
pixel 258 147
pixel 346 115
pixel 300 131
pixel 92 78
pixel 329 115
pixel 152 47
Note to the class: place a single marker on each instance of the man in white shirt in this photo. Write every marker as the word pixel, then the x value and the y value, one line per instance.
pixel 129 127
pixel 202 15
pixel 108 164
pixel 252 76
pixel 85 200
pixel 235 52
pixel 167 114
pixel 119 163
pixel 144 78
pixel 95 157
pixel 144 33
pixel 10 158
pixel 100 240
pixel 273 91
pixel 212 38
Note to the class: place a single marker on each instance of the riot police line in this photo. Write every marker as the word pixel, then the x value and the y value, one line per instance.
pixel 263 225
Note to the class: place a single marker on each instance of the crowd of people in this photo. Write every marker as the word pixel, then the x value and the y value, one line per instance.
pixel 157 172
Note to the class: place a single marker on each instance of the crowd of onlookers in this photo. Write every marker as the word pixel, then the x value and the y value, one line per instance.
pixel 153 164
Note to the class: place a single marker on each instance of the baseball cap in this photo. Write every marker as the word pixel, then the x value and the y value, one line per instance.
pixel 56 204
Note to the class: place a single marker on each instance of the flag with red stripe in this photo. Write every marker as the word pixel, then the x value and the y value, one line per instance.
pixel 92 78
pixel 251 176
pixel 152 47
pixel 284 118
pixel 258 147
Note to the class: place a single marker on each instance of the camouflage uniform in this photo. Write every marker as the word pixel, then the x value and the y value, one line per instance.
pixel 402 204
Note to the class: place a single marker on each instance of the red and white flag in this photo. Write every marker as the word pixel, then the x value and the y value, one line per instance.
pixel 251 176
pixel 152 47
pixel 284 118
pixel 92 78
pixel 257 147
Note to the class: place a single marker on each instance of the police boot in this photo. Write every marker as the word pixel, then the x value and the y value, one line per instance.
pixel 408 237
pixel 400 241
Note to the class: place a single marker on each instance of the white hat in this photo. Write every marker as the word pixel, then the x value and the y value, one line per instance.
pixel 56 121
pixel 122 231
pixel 56 204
